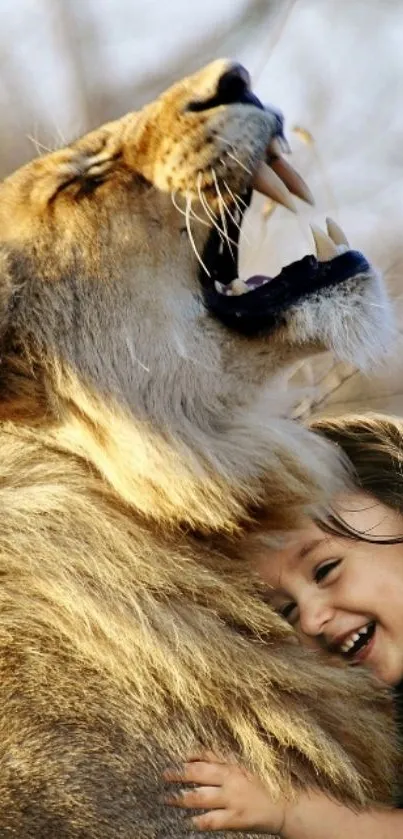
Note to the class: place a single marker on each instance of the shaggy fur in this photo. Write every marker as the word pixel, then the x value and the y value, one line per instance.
pixel 141 442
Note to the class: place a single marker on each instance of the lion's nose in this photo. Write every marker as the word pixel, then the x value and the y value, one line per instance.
pixel 233 84
pixel 232 87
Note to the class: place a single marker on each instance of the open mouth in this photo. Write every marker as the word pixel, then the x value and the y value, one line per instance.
pixel 358 643
pixel 258 304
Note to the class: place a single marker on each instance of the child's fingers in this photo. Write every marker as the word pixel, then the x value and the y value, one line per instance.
pixel 200 798
pixel 214 820
pixel 199 772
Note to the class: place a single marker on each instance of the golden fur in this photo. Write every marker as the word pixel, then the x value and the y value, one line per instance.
pixel 140 442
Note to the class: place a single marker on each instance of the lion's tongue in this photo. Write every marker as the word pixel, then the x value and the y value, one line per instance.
pixel 238 286
pixel 279 180
pixel 257 280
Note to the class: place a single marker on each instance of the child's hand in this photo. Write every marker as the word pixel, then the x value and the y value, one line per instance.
pixel 235 799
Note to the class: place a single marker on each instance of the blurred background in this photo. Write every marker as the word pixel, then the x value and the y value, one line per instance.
pixel 335 68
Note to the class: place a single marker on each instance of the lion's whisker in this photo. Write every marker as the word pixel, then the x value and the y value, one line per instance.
pixel 207 209
pixel 183 213
pixel 177 207
pixel 60 135
pixel 190 234
pixel 238 201
pixel 239 162
pixel 222 208
pixel 197 218
pixel 211 215
pixel 241 201
pixel 40 147
pixel 233 156
pixel 232 195
pixel 232 217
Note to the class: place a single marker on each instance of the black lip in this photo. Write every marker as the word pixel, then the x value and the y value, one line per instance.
pixel 246 97
pixel 261 310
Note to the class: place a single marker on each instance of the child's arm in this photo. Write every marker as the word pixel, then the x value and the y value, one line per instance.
pixel 314 816
pixel 235 800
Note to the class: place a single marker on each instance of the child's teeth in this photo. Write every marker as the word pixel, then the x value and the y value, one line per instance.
pixel 353 639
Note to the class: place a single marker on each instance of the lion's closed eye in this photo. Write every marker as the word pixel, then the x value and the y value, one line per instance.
pixel 77 169
pixel 83 174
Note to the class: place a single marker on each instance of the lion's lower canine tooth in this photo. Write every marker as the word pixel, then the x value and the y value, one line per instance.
pixel 223 289
pixel 336 233
pixel 239 287
pixel 325 247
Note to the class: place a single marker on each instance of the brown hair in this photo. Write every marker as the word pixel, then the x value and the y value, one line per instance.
pixel 373 444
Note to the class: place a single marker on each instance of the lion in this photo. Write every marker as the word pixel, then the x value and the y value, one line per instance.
pixel 143 438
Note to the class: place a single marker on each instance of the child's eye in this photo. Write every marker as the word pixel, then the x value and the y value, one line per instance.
pixel 325 569
pixel 287 610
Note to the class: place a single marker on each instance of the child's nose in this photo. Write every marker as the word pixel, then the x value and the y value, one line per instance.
pixel 314 616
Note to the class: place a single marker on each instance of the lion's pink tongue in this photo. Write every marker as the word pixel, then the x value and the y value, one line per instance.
pixel 238 286
pixel 257 280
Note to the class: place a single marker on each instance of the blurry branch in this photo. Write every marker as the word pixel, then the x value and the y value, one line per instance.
pixel 227 40
pixel 284 12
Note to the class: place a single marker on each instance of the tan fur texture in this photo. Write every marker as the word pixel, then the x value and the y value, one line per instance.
pixel 141 442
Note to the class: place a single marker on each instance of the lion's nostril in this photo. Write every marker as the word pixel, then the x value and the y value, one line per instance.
pixel 232 87
pixel 233 84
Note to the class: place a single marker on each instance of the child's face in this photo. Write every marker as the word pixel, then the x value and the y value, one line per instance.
pixel 342 593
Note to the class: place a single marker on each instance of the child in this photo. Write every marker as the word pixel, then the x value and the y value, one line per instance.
pixel 341 585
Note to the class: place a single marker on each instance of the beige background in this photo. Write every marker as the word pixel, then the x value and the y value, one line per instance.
pixel 335 67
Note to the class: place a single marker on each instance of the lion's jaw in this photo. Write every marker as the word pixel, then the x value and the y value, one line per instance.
pixel 121 336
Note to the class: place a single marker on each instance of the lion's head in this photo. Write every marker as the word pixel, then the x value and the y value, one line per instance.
pixel 142 430
pixel 131 233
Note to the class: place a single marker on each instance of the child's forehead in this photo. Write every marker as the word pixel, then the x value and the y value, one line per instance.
pixel 296 550
pixel 302 541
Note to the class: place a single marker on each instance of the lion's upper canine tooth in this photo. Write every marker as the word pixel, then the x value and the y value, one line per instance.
pixel 275 147
pixel 284 144
pixel 336 233
pixel 268 183
pixel 325 247
pixel 291 179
